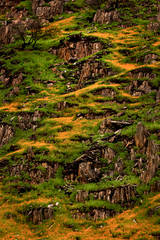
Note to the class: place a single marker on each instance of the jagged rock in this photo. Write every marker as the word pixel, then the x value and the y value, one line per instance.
pixel 106 92
pixel 153 211
pixel 120 195
pixel 119 166
pixel 136 88
pixel 91 70
pixel 63 105
pixel 153 161
pixel 49 10
pixel 96 115
pixel 153 26
pixel 141 136
pixel 40 172
pixel 6 133
pixel 144 72
pixel 77 47
pixel 36 215
pixel 105 17
pixel 7 34
pixel 86 168
pixel 109 125
pixel 151 58
pixel 6 5
pixel 29 120
pixel 158 96
pixel 109 154
pixel 155 187
pixel 94 213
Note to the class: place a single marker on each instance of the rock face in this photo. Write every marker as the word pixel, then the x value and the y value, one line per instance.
pixel 84 169
pixel 106 92
pixel 29 120
pixel 7 4
pixel 138 88
pixel 97 115
pixel 151 149
pixel 90 70
pixel 94 213
pixel 105 17
pixel 8 80
pixel 77 47
pixel 121 195
pixel 153 161
pixel 36 215
pixel 6 133
pixel 48 10
pixel 40 172
pixel 144 72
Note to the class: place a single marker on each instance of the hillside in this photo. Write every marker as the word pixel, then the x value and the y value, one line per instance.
pixel 80 119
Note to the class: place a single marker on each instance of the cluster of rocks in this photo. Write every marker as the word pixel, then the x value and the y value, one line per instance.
pixel 40 172
pixel 37 215
pixel 6 133
pixel 46 11
pixel 77 47
pixel 123 195
pixel 94 213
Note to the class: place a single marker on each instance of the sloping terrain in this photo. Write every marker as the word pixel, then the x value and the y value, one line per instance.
pixel 80 121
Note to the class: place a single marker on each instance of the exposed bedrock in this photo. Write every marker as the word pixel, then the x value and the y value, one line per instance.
pixel 97 115
pixel 105 92
pixel 90 70
pixel 49 10
pixel 149 58
pixel 77 46
pixel 6 133
pixel 28 120
pixel 94 213
pixel 123 195
pixel 146 167
pixel 143 72
pixel 106 17
pixel 36 173
pixel 37 215
pixel 138 88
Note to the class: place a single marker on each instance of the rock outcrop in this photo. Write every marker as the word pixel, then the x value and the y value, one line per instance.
pixel 122 195
pixel 105 17
pixel 144 72
pixel 77 47
pixel 151 149
pixel 37 215
pixel 28 120
pixel 39 172
pixel 6 133
pixel 47 11
pixel 94 213
pixel 138 88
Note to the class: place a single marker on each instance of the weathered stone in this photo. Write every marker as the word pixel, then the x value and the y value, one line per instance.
pixel 47 11
pixel 28 120
pixel 107 92
pixel 37 215
pixel 120 195
pixel 6 133
pixel 153 161
pixel 109 154
pixel 94 213
pixel 137 88
pixel 141 136
pixel 77 47
pixel 105 17
pixel 144 72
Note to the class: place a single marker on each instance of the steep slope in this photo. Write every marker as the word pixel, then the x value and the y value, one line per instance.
pixel 79 129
